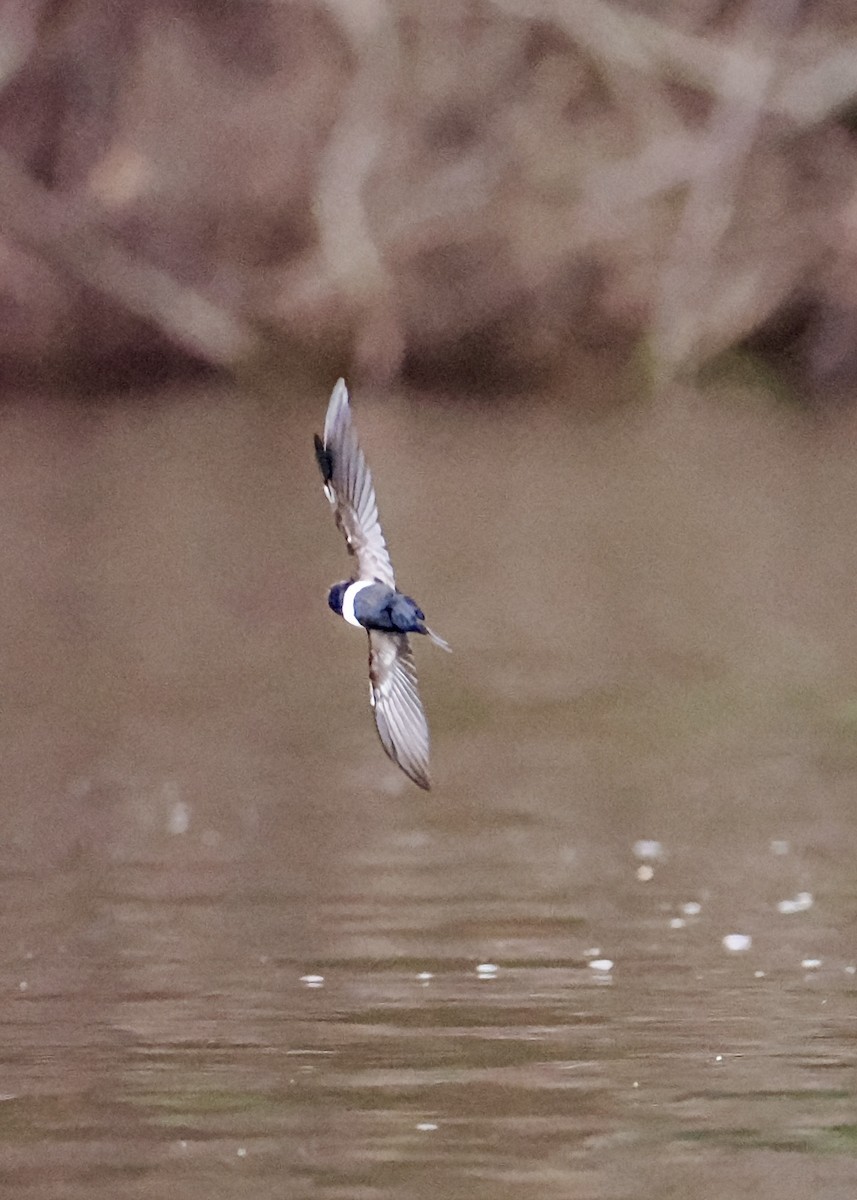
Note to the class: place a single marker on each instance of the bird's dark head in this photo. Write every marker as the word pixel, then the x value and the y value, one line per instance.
pixel 336 593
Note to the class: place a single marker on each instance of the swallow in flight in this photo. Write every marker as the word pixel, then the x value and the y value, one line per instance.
pixel 370 599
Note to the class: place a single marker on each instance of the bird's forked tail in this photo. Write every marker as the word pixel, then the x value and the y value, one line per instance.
pixel 436 638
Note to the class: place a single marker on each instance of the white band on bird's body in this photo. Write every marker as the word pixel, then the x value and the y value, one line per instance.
pixel 348 600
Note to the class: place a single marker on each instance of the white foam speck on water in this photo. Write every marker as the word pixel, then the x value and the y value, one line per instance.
pixel 592 952
pixel 602 965
pixel 178 818
pixel 692 908
pixel 758 974
pixel 425 977
pixel 426 1126
pixel 677 923
pixel 645 873
pixel 851 970
pixel 487 970
pixel 312 981
pixel 736 943
pixel 799 903
pixel 779 846
pixel 648 850
pixel 241 1151
pixel 810 964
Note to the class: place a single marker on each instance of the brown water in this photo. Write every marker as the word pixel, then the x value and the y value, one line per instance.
pixel 653 617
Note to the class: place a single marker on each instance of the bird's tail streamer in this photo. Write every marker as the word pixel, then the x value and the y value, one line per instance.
pixel 437 639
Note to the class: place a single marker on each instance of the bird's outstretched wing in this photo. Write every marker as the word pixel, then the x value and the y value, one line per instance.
pixel 348 487
pixel 399 715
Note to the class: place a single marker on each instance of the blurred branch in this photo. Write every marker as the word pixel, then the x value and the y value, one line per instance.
pixel 705 292
pixel 350 264
pixel 70 241
pixel 686 282
pixel 806 94
pixel 391 181
pixel 346 242
pixel 812 93
pixel 16 38
pixel 687 301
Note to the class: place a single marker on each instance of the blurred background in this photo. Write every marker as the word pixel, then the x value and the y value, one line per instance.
pixel 588 267
pixel 479 194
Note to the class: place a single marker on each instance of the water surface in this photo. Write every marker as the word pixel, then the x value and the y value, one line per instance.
pixel 240 953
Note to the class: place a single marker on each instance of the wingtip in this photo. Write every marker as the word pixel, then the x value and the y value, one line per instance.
pixel 419 774
pixel 337 404
pixel 339 395
pixel 338 410
pixel 323 458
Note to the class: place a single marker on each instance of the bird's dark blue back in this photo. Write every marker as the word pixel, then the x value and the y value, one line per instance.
pixel 379 607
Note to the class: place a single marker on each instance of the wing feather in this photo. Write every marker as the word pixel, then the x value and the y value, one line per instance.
pixel 399 715
pixel 348 486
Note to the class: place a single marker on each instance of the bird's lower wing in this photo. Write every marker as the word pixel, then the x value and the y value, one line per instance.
pixel 399 715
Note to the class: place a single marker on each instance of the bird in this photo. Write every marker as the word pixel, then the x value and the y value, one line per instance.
pixel 370 598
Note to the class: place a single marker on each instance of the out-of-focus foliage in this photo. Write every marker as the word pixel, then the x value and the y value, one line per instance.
pixel 471 188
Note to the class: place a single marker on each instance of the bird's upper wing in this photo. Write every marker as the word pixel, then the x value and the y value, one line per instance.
pixel 399 715
pixel 348 487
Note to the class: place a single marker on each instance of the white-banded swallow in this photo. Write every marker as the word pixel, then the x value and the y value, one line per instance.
pixel 370 599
